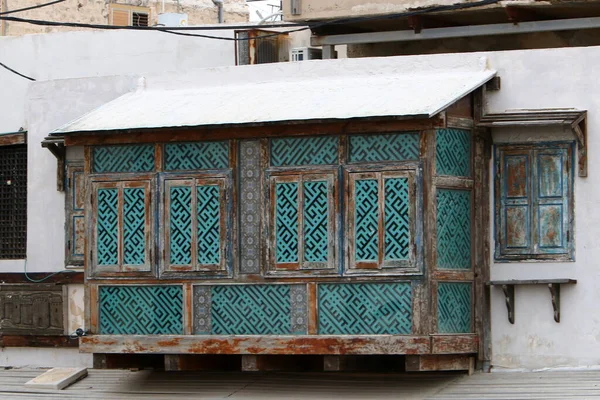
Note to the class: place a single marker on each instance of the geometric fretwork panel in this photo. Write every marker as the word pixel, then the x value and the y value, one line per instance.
pixel 316 217
pixel 250 200
pixel 141 310
pixel 286 222
pixel 134 221
pixel 377 148
pixel 130 158
pixel 107 227
pixel 365 308
pixel 397 224
pixel 181 225
pixel 453 152
pixel 453 229
pixel 194 156
pixel 250 310
pixel 209 224
pixel 454 307
pixel 367 219
pixel 304 151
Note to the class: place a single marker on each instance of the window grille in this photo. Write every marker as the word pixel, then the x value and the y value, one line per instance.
pixel 13 202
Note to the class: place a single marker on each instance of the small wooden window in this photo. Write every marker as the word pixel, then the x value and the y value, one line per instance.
pixel 74 213
pixel 126 15
pixel 196 211
pixel 534 202
pixel 382 222
pixel 302 221
pixel 122 228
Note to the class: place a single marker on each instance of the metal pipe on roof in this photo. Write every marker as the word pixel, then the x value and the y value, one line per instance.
pixel 219 4
pixel 456 32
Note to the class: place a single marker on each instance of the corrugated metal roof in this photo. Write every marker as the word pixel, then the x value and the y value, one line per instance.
pixel 364 92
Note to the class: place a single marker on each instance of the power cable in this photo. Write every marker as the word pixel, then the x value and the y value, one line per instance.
pixel 16 72
pixel 32 7
pixel 172 30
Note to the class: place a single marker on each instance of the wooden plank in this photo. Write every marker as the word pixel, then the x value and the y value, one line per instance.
pixel 454 344
pixel 11 139
pixel 313 301
pixel 67 278
pixel 245 132
pixel 459 123
pixel 440 363
pixel 532 282
pixel 38 341
pixel 244 344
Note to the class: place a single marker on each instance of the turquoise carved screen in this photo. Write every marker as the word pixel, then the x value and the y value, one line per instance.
pixel 134 226
pixel 180 240
pixel 453 229
pixel 209 224
pixel 365 309
pixel 286 222
pixel 316 217
pixel 196 156
pixel 397 219
pixel 129 158
pixel 366 219
pixel 141 310
pixel 453 152
pixel 454 307
pixel 107 227
pixel 378 148
pixel 304 151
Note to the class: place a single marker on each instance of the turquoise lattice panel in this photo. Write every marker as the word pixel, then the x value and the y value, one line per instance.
pixel 316 217
pixel 141 310
pixel 194 156
pixel 304 151
pixel 366 196
pixel 454 307
pixel 251 310
pixel 286 222
pixel 365 309
pixel 453 229
pixel 377 148
pixel 134 221
pixel 132 158
pixel 180 238
pixel 397 219
pixel 107 227
pixel 209 224
pixel 453 152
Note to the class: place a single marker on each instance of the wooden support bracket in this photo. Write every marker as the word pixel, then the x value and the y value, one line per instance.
pixel 509 294
pixel 508 287
pixel 57 148
pixel 555 294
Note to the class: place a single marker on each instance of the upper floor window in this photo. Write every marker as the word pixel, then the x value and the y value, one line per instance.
pixel 126 15
pixel 534 202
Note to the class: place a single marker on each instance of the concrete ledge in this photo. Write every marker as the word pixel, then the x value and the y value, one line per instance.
pixel 57 378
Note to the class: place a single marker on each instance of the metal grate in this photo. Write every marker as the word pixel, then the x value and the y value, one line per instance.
pixel 139 19
pixel 13 202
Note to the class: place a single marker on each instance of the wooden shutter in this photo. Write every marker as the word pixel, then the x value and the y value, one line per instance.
pixel 303 222
pixel 74 213
pixel 194 225
pixel 534 202
pixel 120 17
pixel 382 222
pixel 122 225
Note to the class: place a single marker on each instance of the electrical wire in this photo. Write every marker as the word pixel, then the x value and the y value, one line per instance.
pixel 32 7
pixel 16 72
pixel 44 278
pixel 175 30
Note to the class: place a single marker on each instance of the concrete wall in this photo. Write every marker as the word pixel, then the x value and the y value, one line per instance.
pixel 97 12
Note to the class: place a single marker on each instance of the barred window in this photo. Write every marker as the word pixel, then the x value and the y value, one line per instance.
pixel 13 202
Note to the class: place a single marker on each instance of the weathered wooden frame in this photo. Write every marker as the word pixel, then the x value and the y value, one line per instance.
pixel 412 266
pixel 74 190
pixel 500 255
pixel 196 270
pixel 302 267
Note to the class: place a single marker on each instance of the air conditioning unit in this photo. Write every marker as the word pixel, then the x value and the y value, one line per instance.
pixel 172 19
pixel 257 46
pixel 306 53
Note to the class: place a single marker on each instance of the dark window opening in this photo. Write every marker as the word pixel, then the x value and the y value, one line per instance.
pixel 13 202
pixel 139 19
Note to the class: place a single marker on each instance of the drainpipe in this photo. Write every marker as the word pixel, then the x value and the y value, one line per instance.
pixel 219 4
